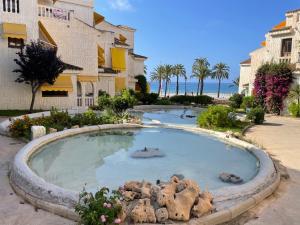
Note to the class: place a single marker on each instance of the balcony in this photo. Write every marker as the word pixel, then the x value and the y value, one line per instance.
pixel 53 12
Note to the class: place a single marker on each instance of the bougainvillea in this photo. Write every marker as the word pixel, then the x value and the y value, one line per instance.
pixel 272 84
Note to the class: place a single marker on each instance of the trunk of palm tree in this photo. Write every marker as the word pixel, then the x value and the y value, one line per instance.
pixel 177 85
pixel 159 88
pixel 219 87
pixel 202 86
pixel 166 88
pixel 198 87
pixel 185 87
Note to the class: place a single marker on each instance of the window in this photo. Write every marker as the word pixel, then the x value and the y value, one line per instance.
pixel 286 47
pixel 54 94
pixel 15 43
pixel 11 6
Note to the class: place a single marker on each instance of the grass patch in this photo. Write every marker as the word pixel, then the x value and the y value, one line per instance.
pixel 13 113
pixel 239 127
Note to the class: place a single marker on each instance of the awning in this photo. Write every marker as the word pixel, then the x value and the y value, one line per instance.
pixel 46 34
pixel 62 83
pixel 13 30
pixel 101 57
pixel 120 84
pixel 118 59
pixel 87 78
pixel 98 18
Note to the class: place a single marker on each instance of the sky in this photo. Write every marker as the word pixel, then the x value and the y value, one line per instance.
pixel 178 31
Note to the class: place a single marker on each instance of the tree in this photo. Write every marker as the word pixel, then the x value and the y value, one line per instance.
pixel 185 79
pixel 142 83
pixel 145 70
pixel 178 71
pixel 168 71
pixel 157 75
pixel 235 83
pixel 201 71
pixel 220 72
pixel 38 65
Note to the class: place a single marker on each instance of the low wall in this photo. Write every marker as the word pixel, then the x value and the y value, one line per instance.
pixel 229 201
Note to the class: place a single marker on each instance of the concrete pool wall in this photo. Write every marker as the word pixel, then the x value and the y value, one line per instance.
pixel 229 201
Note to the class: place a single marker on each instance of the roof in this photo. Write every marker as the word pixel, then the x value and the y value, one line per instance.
pixel 279 26
pixel 292 11
pixel 138 56
pixel 283 28
pixel 248 61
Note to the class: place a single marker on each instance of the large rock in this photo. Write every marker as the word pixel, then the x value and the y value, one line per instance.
pixel 166 192
pixel 143 212
pixel 180 204
pixel 130 195
pixel 230 178
pixel 204 205
pixel 147 153
pixel 132 186
pixel 162 215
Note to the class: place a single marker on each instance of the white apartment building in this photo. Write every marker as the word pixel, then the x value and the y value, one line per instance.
pixel 282 44
pixel 101 54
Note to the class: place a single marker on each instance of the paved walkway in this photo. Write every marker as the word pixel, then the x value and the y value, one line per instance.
pixel 280 136
pixel 13 210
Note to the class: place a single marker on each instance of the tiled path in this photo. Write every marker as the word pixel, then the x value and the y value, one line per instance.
pixel 280 136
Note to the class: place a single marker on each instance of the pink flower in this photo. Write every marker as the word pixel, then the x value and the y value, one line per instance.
pixel 104 204
pixel 108 205
pixel 118 221
pixel 103 219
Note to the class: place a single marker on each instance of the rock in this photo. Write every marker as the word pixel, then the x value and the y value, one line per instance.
pixel 52 130
pixel 132 186
pixel 206 195
pixel 203 207
pixel 162 215
pixel 146 190
pixel 193 184
pixel 180 187
pixel 190 116
pixel 130 195
pixel 180 205
pixel 166 192
pixel 37 131
pixel 143 212
pixel 147 153
pixel 75 127
pixel 230 178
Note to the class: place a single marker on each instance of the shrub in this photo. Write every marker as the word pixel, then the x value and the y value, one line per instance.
pixel 164 101
pixel 256 115
pixel 99 209
pixel 102 93
pixel 104 101
pixel 147 98
pixel 294 109
pixel 216 117
pixel 185 99
pixel 59 117
pixel 248 102
pixel 141 83
pixel 236 101
pixel 21 127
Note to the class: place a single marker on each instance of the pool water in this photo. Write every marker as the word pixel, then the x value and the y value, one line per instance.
pixel 104 159
pixel 186 117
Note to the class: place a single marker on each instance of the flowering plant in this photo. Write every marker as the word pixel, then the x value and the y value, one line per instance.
pixel 103 208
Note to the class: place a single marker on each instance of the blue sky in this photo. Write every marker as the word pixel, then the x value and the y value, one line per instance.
pixel 178 31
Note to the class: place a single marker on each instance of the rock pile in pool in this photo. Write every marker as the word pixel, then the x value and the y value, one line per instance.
pixel 177 200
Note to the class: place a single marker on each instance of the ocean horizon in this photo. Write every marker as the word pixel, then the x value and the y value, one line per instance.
pixel 191 88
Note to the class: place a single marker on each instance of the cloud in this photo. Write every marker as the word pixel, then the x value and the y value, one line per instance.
pixel 121 5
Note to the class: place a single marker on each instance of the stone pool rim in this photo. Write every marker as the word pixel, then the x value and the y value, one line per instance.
pixel 61 201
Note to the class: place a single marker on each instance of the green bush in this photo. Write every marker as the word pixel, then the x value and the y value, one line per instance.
pixel 256 115
pixel 216 117
pixel 186 99
pixel 142 83
pixel 100 209
pixel 163 101
pixel 248 102
pixel 147 98
pixel 104 101
pixel 236 101
pixel 294 109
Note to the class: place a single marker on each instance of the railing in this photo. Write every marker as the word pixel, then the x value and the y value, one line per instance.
pixel 285 60
pixel 79 101
pixel 51 12
pixel 12 6
pixel 89 101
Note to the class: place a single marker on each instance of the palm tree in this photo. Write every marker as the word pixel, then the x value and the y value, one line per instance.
pixel 178 71
pixel 185 79
pixel 295 95
pixel 168 71
pixel 158 75
pixel 220 72
pixel 235 83
pixel 200 71
pixel 145 70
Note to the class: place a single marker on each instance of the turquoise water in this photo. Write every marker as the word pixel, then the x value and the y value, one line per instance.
pixel 104 159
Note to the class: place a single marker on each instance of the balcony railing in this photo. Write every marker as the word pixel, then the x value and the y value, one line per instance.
pixel 85 101
pixel 51 12
pixel 285 59
pixel 12 6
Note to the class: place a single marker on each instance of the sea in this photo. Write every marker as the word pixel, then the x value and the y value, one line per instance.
pixel 210 89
